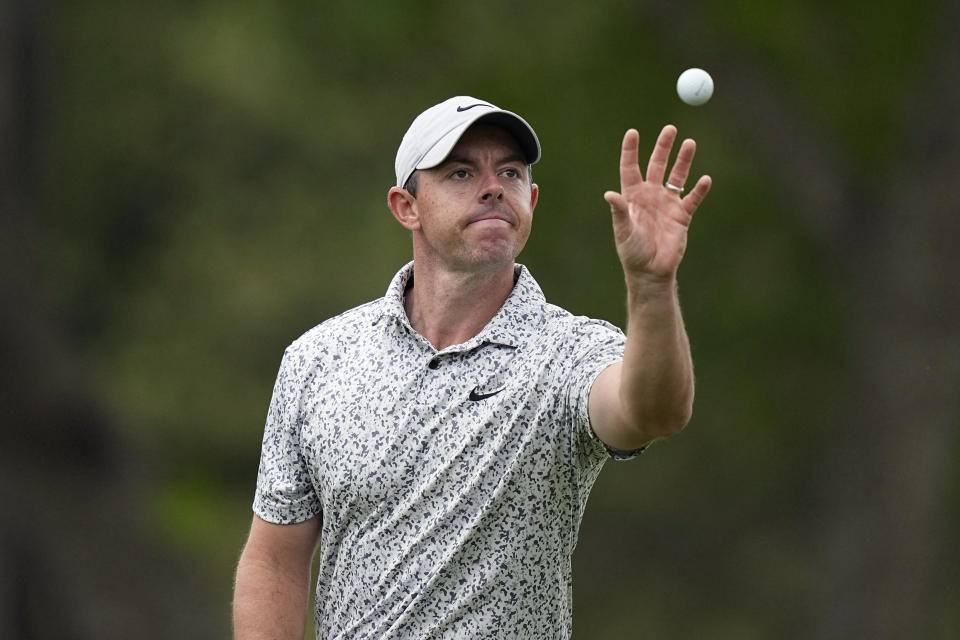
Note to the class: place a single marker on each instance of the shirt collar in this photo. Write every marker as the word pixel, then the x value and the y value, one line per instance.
pixel 519 319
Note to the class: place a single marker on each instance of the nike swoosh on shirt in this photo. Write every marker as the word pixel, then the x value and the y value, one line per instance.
pixel 479 104
pixel 476 395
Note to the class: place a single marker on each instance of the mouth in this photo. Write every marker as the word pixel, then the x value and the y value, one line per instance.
pixel 492 222
pixel 493 216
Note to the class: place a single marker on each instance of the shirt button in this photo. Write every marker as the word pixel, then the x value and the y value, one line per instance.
pixel 434 364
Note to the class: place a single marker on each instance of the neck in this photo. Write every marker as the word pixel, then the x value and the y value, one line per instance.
pixel 451 307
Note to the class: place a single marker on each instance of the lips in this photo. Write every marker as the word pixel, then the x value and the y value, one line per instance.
pixel 492 214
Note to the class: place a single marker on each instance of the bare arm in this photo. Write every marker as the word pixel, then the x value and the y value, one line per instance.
pixel 650 393
pixel 273 580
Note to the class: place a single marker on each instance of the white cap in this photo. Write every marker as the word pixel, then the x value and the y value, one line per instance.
pixel 436 131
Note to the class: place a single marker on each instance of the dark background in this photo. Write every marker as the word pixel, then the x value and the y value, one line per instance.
pixel 187 186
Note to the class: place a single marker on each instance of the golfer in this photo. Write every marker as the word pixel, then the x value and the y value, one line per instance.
pixel 433 449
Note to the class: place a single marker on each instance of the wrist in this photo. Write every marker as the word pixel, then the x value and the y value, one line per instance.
pixel 644 287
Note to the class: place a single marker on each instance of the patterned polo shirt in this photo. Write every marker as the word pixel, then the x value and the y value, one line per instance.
pixel 451 483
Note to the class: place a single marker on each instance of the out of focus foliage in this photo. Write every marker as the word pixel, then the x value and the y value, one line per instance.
pixel 213 181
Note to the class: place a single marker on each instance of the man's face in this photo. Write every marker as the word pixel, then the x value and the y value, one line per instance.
pixel 476 208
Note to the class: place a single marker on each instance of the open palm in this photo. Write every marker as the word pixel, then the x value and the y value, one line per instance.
pixel 651 219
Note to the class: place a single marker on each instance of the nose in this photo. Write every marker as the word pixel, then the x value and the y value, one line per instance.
pixel 492 189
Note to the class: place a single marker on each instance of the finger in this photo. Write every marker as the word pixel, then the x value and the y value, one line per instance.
pixel 657 167
pixel 615 200
pixel 618 204
pixel 629 164
pixel 693 199
pixel 681 167
pixel 619 214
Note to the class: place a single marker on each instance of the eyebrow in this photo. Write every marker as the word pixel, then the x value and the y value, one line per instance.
pixel 452 159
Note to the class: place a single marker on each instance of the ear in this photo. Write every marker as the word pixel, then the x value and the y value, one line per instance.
pixel 404 208
pixel 534 196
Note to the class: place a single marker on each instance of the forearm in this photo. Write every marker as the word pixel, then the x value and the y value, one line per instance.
pixel 270 595
pixel 650 393
pixel 656 382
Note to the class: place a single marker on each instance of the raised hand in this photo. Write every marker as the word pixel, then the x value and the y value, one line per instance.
pixel 650 217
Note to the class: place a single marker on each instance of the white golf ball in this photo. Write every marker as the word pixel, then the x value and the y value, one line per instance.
pixel 695 86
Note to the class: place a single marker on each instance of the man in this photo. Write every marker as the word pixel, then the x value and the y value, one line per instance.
pixel 439 443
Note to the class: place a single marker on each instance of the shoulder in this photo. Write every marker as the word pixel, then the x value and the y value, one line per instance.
pixel 355 325
pixel 333 334
pixel 554 322
pixel 562 323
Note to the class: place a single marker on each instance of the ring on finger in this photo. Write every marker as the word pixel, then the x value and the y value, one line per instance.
pixel 674 188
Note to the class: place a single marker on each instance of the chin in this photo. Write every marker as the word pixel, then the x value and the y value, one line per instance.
pixel 491 260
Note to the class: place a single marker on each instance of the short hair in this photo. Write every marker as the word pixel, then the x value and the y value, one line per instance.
pixel 411 184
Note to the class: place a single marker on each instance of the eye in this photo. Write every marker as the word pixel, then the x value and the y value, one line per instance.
pixel 511 173
pixel 459 174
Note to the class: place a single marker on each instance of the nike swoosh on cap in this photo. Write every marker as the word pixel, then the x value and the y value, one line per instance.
pixel 479 104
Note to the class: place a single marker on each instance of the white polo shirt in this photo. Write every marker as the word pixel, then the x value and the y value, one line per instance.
pixel 451 484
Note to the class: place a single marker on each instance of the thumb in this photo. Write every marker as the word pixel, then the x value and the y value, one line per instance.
pixel 618 204
pixel 620 215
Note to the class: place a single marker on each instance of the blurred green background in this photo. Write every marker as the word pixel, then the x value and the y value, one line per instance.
pixel 187 186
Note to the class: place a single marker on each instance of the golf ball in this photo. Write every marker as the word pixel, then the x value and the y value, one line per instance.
pixel 695 86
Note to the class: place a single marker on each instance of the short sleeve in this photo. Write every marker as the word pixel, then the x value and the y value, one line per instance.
pixel 285 492
pixel 599 344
